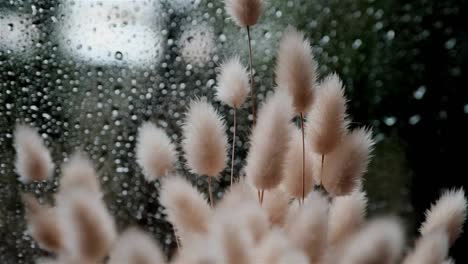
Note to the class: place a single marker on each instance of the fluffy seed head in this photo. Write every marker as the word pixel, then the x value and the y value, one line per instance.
pixel 347 214
pixel 89 229
pixel 380 241
pixel 345 165
pixel 43 225
pixel 430 249
pixel 276 205
pixel 448 214
pixel 79 172
pixel 33 160
pixel 187 209
pixel 205 142
pixel 269 139
pixel 296 69
pixel 292 170
pixel 155 152
pixel 235 241
pixel 276 249
pixel 134 246
pixel 244 12
pixel 233 83
pixel 307 228
pixel 326 122
pixel 239 193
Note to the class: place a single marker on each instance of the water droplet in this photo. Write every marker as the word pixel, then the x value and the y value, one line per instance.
pixel 419 93
pixel 390 121
pixel 118 55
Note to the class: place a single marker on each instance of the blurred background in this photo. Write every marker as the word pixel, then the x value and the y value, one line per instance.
pixel 87 73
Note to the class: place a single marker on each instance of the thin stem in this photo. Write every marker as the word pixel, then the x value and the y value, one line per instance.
pixel 262 193
pixel 209 191
pixel 233 146
pixel 321 169
pixel 252 90
pixel 303 158
pixel 258 195
pixel 176 239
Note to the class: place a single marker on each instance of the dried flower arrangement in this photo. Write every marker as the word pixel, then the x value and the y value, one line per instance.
pixel 301 199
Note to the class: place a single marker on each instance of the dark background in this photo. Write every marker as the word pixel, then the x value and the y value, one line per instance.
pixel 403 64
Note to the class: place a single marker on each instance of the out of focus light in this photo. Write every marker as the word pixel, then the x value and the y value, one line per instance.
pixel 112 31
pixel 17 33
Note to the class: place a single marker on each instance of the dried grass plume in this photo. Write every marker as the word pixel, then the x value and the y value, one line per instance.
pixel 89 229
pixel 348 162
pixel 187 209
pixel 33 160
pixel 292 168
pixel 43 225
pixel 79 172
pixel 430 249
pixel 269 140
pixel 233 83
pixel 244 12
pixel 307 227
pixel 155 152
pixel 135 246
pixel 326 121
pixel 347 214
pixel 448 214
pixel 205 142
pixel 380 241
pixel 296 69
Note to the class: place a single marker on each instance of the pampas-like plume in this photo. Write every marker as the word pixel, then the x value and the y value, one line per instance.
pixel 205 141
pixel 155 152
pixel 326 122
pixel 276 249
pixel 347 214
pixel 295 69
pixel 33 160
pixel 232 89
pixel 239 194
pixel 380 241
pixel 236 244
pixel 135 246
pixel 233 83
pixel 186 208
pixel 89 229
pixel 430 249
pixel 307 227
pixel 276 206
pixel 448 214
pixel 244 12
pixel 43 225
pixel 79 172
pixel 269 139
pixel 200 251
pixel 292 170
pixel 348 162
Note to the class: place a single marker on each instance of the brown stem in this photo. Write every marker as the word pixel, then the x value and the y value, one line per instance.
pixel 252 90
pixel 262 193
pixel 321 169
pixel 303 158
pixel 210 193
pixel 233 146
pixel 176 239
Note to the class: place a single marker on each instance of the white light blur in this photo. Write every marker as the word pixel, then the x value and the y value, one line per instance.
pixel 197 44
pixel 17 33
pixel 112 32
